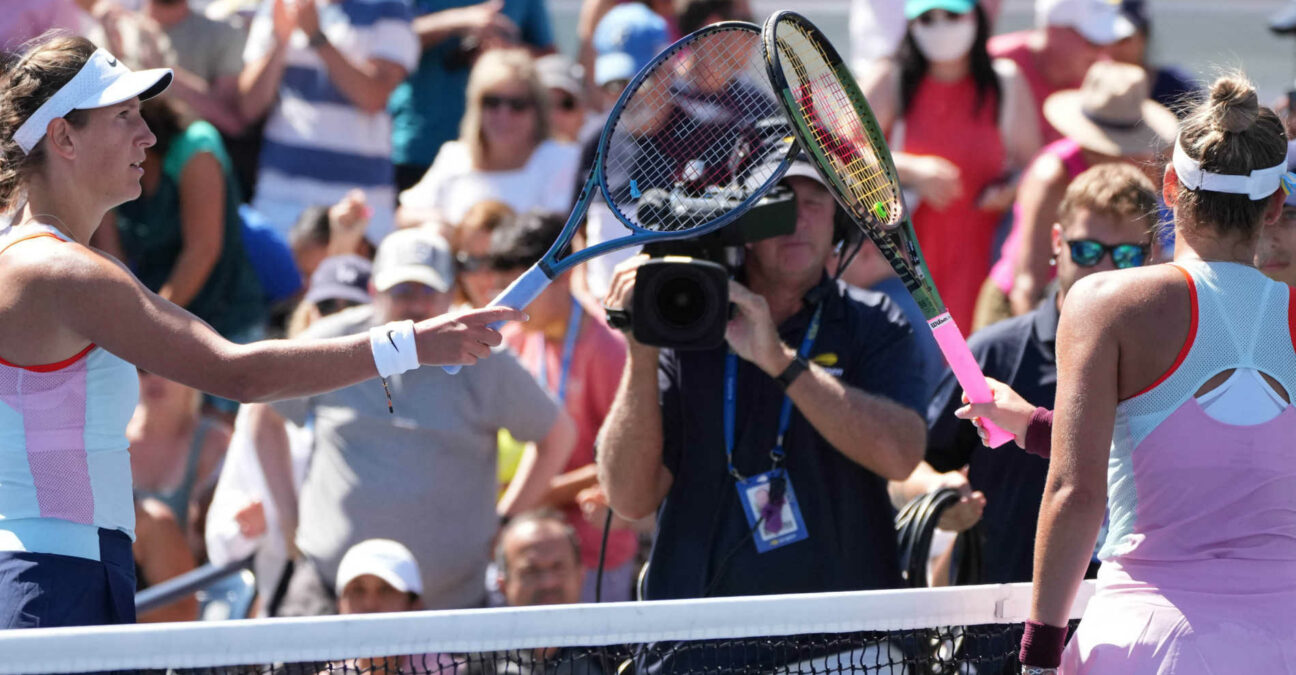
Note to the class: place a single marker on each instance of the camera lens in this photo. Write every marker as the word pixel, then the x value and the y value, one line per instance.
pixel 682 302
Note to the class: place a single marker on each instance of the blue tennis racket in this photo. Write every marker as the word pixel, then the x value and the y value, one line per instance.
pixel 686 150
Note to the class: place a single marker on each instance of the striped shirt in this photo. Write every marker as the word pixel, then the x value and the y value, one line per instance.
pixel 317 143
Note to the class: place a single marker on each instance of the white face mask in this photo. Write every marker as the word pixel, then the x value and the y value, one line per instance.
pixel 945 40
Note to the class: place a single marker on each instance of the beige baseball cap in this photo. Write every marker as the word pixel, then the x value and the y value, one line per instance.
pixel 416 254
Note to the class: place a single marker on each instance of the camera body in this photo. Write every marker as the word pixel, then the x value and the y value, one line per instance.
pixel 681 298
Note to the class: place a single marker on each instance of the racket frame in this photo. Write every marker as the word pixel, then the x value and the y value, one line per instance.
pixel 896 240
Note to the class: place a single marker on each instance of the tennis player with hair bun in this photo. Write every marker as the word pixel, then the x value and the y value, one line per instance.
pixel 75 325
pixel 1174 415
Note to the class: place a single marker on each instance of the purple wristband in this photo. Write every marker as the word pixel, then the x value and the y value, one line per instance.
pixel 1039 433
pixel 1041 645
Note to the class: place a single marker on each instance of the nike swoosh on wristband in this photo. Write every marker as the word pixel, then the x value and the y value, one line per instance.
pixel 392 340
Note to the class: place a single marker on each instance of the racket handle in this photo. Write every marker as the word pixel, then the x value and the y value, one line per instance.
pixel 518 295
pixel 966 371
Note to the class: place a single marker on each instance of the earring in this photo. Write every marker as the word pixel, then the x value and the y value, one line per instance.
pixel 1053 261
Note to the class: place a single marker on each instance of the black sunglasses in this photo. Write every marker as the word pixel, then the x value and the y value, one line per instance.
pixel 1087 253
pixel 565 102
pixel 515 103
pixel 329 306
pixel 470 263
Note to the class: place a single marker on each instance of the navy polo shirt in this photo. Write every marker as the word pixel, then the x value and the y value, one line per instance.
pixel 703 545
pixel 1020 352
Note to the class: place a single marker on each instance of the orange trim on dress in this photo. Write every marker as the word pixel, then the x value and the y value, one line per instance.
pixel 45 367
pixel 1188 342
pixel 37 235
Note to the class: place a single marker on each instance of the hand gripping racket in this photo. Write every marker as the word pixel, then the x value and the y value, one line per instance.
pixel 833 122
pixel 685 150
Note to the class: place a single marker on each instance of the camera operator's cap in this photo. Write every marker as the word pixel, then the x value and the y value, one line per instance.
pixel 559 72
pixel 625 40
pixel 800 166
pixel 417 254
pixel 340 277
pixel 916 8
pixel 384 558
pixel 1100 21
pixel 102 81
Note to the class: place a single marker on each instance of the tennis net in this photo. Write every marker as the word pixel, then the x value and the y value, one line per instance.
pixel 966 630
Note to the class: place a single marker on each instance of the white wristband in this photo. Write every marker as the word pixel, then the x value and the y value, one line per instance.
pixel 393 348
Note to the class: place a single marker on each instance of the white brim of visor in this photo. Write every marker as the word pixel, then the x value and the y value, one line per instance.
pixel 1256 185
pixel 102 81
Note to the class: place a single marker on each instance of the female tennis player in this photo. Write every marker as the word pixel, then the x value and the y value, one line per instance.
pixel 74 325
pixel 1192 364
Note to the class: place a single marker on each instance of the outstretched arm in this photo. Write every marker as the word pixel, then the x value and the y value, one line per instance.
pixel 101 301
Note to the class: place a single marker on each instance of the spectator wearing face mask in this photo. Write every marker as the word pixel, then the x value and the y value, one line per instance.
pixel 962 125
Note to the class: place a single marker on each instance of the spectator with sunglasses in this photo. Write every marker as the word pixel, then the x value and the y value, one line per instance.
pixel 504 150
pixel 475 280
pixel 1105 222
pixel 567 111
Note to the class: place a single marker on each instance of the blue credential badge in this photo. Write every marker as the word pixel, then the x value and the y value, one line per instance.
pixel 768 498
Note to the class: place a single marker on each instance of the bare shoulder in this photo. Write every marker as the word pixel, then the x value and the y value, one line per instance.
pixel 1125 295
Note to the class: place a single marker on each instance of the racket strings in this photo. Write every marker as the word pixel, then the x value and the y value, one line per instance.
pixel 692 139
pixel 835 125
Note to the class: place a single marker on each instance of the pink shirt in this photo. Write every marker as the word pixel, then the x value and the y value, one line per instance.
pixel 26 19
pixel 597 361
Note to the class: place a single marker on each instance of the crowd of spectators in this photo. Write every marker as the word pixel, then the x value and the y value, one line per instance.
pixel 324 166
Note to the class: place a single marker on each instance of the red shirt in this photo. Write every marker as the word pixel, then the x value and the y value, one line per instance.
pixel 598 358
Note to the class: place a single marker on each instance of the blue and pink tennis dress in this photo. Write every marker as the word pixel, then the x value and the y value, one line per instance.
pixel 67 517
pixel 1199 565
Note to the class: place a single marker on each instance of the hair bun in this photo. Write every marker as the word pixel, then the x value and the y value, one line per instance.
pixel 1234 105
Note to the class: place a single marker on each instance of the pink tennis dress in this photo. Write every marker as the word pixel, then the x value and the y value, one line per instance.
pixel 1199 564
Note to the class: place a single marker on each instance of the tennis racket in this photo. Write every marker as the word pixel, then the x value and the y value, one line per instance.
pixel 686 150
pixel 833 122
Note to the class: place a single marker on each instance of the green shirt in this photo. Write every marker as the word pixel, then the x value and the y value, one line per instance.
pixel 231 300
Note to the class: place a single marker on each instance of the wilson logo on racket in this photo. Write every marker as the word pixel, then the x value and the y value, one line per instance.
pixel 940 321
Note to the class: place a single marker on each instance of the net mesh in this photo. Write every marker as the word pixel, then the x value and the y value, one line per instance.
pixel 968 630
pixel 698 134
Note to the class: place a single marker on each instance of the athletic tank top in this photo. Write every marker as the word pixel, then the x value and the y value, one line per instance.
pixel 943 120
pixel 1072 157
pixel 64 459
pixel 177 498
pixel 1212 480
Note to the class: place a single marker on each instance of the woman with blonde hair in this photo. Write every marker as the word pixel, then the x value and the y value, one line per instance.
pixel 1174 419
pixel 75 325
pixel 503 152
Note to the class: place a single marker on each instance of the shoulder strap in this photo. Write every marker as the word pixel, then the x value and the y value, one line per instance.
pixel 28 237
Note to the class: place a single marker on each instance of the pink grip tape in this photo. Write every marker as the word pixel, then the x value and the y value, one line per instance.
pixel 966 371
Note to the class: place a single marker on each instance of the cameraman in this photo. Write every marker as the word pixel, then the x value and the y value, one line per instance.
pixel 816 519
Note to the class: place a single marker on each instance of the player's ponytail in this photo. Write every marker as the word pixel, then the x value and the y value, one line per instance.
pixel 28 78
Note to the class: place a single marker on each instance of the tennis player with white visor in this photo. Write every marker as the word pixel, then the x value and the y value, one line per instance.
pixel 1174 415
pixel 75 325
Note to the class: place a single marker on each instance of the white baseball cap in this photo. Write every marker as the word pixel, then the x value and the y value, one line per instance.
pixel 1099 21
pixel 416 254
pixel 102 81
pixel 384 558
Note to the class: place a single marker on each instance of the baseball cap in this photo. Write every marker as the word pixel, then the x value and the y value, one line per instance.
pixel 800 166
pixel 416 254
pixel 340 277
pixel 102 81
pixel 625 40
pixel 916 8
pixel 559 72
pixel 386 559
pixel 1100 21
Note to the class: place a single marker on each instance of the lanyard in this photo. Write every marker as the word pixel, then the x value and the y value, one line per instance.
pixel 569 348
pixel 785 415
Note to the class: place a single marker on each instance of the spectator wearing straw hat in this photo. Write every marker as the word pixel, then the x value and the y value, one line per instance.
pixel 1069 36
pixel 422 473
pixel 1110 118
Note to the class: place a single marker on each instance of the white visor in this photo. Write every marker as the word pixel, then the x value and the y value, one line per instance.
pixel 102 81
pixel 1256 185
